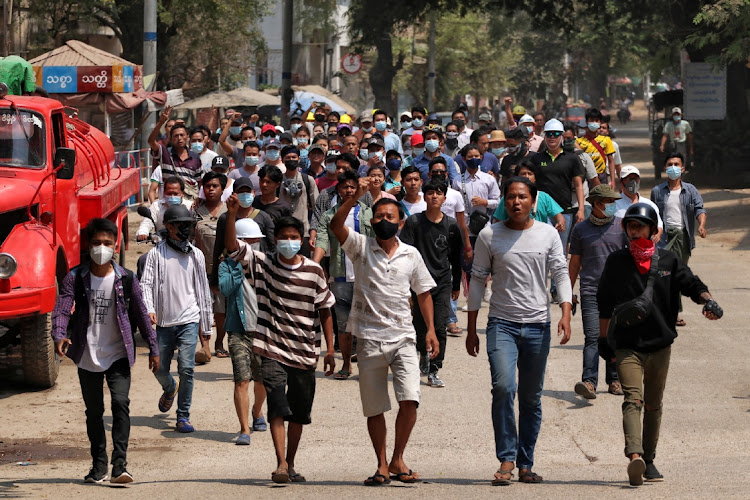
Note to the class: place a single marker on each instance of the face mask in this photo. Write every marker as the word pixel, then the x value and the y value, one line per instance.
pixel 417 122
pixel 610 209
pixel 235 130
pixel 330 168
pixel 405 125
pixel 364 154
pixel 367 130
pixel 378 155
pixel 291 164
pixel 333 124
pixel 473 163
pixel 251 161
pixel 101 254
pixel 183 230
pixel 394 164
pixel 272 154
pixel 245 199
pixel 677 118
pixel 569 143
pixel 451 144
pixel 303 153
pixel 530 130
pixel 674 173
pixel 197 147
pixel 417 152
pixel 460 124
pixel 431 145
pixel 301 142
pixel 439 177
pixel 593 126
pixel 498 151
pixel 380 125
pixel 296 126
pixel 632 186
pixel 320 118
pixel 288 248
pixel 385 230
pixel 173 200
pixel 513 149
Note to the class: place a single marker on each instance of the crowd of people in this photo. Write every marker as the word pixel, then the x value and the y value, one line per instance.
pixel 364 232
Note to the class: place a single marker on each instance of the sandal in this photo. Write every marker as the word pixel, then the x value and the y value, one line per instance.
pixel 527 476
pixel 342 375
pixel 455 331
pixel 221 353
pixel 377 480
pixel 402 477
pixel 296 477
pixel 280 475
pixel 680 322
pixel 504 477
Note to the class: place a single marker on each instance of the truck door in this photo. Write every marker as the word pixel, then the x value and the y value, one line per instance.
pixel 66 209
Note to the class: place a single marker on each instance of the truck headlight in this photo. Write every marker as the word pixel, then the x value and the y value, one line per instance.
pixel 8 265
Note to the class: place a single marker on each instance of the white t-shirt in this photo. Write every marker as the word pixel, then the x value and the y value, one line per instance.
pixel 415 208
pixel 349 222
pixel 678 132
pixel 180 305
pixel 104 344
pixel 673 210
pixel 207 157
pixel 453 203
pixel 623 202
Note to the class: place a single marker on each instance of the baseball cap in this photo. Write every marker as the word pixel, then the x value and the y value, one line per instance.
pixel 316 147
pixel 268 128
pixel 526 119
pixel 602 191
pixel 365 116
pixel 242 182
pixel 342 126
pixel 333 154
pixel 405 113
pixel 417 139
pixel 376 141
pixel 433 117
pixel 273 143
pixel 485 116
pixel 220 162
pixel 497 136
pixel 287 136
pixel 629 169
pixel 519 110
pixel 676 110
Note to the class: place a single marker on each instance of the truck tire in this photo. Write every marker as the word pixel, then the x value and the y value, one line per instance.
pixel 38 357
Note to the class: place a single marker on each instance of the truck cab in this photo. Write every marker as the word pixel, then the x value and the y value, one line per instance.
pixel 56 173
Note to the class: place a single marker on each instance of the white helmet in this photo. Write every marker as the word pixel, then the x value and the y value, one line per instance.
pixel 526 119
pixel 248 228
pixel 554 125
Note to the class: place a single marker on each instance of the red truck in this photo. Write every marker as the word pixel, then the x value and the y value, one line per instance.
pixel 56 174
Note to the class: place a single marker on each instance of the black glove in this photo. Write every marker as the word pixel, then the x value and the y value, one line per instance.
pixel 712 306
pixel 605 351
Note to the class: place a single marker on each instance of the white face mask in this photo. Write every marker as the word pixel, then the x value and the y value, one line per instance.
pixel 101 254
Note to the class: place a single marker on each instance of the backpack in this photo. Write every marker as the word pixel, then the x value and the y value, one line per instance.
pixel 205 234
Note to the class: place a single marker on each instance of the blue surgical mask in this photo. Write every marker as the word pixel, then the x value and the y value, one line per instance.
pixel 394 164
pixel 498 151
pixel 173 200
pixel 674 173
pixel 530 130
pixel 245 199
pixel 610 209
pixel 301 142
pixel 405 125
pixel 364 154
pixel 380 125
pixel 677 118
pixel 330 168
pixel 235 130
pixel 272 154
pixel 367 130
pixel 417 122
pixel 295 126
pixel 431 145
pixel 197 147
pixel 288 248
pixel 251 161
pixel 378 155
pixel 303 153
pixel 417 152
pixel 593 126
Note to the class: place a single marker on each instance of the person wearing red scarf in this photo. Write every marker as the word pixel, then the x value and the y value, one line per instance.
pixel 642 351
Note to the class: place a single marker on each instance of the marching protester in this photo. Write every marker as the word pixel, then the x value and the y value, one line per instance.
pixel 177 159
pixel 630 185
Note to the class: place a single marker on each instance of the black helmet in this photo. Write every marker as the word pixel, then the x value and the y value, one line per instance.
pixel 641 212
pixel 177 213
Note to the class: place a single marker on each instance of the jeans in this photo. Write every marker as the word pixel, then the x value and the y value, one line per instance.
pixel 526 346
pixel 185 338
pixel 441 306
pixel 643 376
pixel 118 381
pixel 453 313
pixel 590 317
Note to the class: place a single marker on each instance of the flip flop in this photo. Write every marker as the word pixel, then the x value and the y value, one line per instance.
pixel 399 476
pixel 507 475
pixel 280 476
pixel 221 353
pixel 680 322
pixel 342 375
pixel 373 480
pixel 296 477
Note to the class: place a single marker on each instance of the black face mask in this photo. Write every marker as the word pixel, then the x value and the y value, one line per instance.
pixel 320 118
pixel 291 164
pixel 439 177
pixel 385 230
pixel 451 143
pixel 183 230
pixel 460 124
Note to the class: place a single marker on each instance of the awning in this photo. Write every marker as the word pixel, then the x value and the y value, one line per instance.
pixel 243 96
pixel 304 95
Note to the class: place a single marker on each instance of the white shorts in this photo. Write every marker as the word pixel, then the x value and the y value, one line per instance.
pixel 373 360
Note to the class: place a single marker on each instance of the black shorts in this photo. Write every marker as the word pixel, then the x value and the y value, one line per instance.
pixel 289 391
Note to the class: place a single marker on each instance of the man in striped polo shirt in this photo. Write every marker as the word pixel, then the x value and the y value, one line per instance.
pixel 293 295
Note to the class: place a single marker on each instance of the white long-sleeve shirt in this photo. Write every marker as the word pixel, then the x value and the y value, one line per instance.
pixel 158 207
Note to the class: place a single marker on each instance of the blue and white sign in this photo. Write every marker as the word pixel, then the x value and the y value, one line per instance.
pixel 705 92
pixel 60 79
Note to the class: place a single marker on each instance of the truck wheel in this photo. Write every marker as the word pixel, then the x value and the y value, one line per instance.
pixel 40 362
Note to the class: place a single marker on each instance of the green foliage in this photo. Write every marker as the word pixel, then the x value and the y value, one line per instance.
pixel 723 27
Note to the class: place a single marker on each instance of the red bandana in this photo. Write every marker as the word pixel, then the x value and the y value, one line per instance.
pixel 642 249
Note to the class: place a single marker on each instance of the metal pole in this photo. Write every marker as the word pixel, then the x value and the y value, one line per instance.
pixel 286 65
pixel 149 59
pixel 431 64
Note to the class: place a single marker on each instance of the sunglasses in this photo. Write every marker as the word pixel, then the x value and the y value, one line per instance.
pixel 553 134
pixel 437 172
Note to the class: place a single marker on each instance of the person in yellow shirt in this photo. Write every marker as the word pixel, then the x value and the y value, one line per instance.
pixel 599 148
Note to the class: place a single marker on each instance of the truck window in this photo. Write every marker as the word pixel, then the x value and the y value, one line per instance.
pixel 58 132
pixel 22 139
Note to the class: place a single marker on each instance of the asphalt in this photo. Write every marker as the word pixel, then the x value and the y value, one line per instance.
pixel 703 452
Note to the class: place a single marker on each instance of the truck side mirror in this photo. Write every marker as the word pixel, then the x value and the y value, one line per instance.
pixel 67 158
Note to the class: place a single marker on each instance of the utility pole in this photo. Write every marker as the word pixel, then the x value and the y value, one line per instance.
pixel 287 20
pixel 149 60
pixel 431 65
pixel 7 9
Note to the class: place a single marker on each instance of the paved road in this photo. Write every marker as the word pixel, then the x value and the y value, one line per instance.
pixel 704 449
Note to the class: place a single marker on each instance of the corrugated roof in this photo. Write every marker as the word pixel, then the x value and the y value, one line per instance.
pixel 77 53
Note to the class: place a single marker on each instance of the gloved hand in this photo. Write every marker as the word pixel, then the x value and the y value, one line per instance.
pixel 605 351
pixel 711 310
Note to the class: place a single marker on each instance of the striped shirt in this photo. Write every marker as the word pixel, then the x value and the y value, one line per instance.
pixel 288 303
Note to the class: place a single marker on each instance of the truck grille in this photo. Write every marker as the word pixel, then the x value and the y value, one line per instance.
pixel 9 220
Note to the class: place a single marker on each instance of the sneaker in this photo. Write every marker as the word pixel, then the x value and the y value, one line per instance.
pixel 424 364
pixel 487 294
pixel 167 398
pixel 259 424
pixel 184 425
pixel 636 468
pixel 96 475
pixel 652 473
pixel 243 440
pixel 434 380
pixel 585 389
pixel 616 388
pixel 120 475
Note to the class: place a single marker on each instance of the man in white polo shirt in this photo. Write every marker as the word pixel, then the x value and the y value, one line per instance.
pixel 387 272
